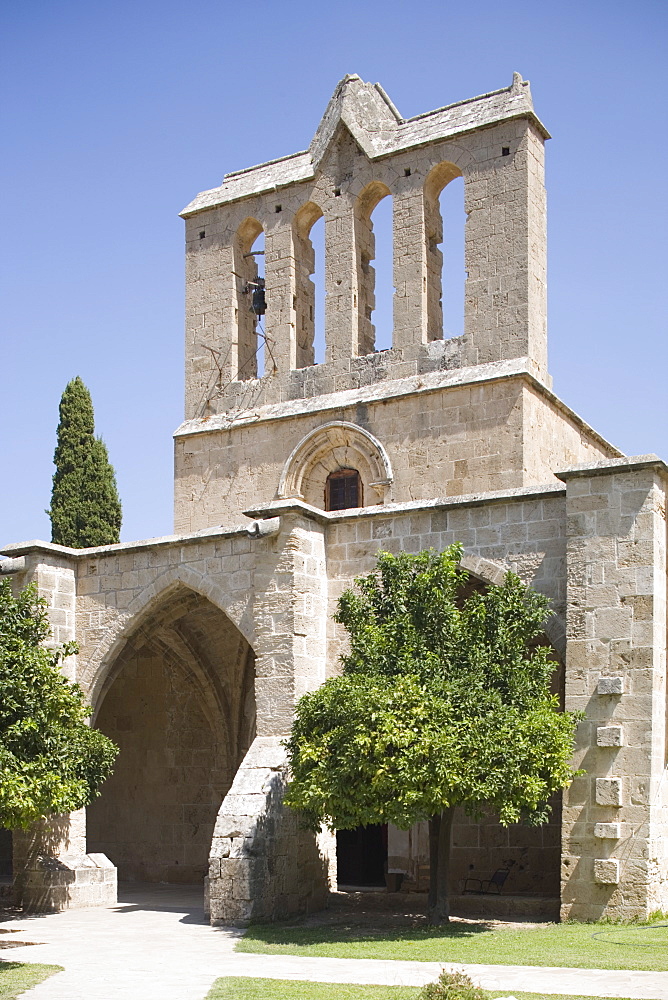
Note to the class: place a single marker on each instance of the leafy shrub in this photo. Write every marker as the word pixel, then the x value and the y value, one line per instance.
pixel 453 986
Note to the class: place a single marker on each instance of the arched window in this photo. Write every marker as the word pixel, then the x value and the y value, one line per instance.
pixel 444 235
pixel 249 272
pixel 343 489
pixel 366 275
pixel 309 304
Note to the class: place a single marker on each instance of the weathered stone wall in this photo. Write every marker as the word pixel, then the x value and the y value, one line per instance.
pixel 523 531
pixel 615 849
pixel 155 816
pixel 554 438
pixel 494 142
pixel 455 439
pixel 532 855
pixel 164 629
pixel 52 869
pixel 263 865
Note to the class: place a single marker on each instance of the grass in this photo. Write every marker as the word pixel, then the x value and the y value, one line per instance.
pixel 239 988
pixel 17 977
pixel 579 946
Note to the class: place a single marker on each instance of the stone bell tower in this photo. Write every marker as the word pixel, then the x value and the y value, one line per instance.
pixel 362 152
pixel 291 476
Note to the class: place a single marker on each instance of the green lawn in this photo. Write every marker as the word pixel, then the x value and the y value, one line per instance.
pixel 583 946
pixel 17 977
pixel 238 988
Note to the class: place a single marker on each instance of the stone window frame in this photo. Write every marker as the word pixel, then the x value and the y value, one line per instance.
pixel 336 445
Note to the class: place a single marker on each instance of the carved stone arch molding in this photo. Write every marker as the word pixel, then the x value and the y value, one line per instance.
pixel 328 448
pixel 491 572
pixel 98 665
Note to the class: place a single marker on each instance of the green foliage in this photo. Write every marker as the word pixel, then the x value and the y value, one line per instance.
pixel 442 702
pixel 17 977
pixel 452 986
pixel 85 508
pixel 242 988
pixel 51 761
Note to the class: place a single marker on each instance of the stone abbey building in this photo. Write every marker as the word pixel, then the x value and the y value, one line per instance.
pixel 195 647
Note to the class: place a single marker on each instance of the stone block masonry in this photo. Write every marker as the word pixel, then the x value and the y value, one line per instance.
pixel 616 528
pixel 194 648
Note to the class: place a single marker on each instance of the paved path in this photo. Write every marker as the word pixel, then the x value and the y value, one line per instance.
pixel 155 945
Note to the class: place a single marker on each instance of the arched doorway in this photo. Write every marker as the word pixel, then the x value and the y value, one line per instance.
pixel 179 701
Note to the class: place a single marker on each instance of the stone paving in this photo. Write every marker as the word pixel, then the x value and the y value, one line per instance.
pixel 156 945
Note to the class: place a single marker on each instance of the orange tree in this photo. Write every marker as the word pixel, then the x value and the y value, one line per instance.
pixel 51 761
pixel 443 701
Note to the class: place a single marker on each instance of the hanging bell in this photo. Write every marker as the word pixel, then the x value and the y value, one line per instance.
pixel 259 304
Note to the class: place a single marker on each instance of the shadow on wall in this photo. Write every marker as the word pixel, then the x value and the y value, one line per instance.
pixel 180 705
pixel 265 865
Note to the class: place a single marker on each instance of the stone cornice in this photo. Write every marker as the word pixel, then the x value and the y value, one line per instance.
pixel 292 505
pixel 390 389
pixel 612 466
pixel 37 547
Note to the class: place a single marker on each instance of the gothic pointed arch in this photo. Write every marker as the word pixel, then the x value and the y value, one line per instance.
pixel 178 699
pixel 94 673
pixel 488 572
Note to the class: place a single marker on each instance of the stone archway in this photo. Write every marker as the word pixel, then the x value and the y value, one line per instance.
pixel 331 446
pixel 179 701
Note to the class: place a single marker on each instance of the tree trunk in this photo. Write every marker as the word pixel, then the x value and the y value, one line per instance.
pixel 440 835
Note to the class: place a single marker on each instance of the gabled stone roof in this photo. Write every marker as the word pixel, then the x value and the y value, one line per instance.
pixel 378 128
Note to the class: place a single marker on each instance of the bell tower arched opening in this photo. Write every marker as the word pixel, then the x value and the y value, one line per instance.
pixel 250 298
pixel 309 301
pixel 365 240
pixel 179 701
pixel 444 236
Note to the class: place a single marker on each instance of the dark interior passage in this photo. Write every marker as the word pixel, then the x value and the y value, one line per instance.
pixel 5 855
pixel 180 706
pixel 361 855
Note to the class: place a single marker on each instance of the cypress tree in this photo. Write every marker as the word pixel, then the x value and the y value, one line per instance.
pixel 85 508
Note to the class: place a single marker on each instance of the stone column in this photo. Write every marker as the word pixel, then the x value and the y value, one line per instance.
pixel 410 265
pixel 341 302
pixel 52 870
pixel 262 865
pixel 281 285
pixel 505 248
pixel 211 348
pixel 615 817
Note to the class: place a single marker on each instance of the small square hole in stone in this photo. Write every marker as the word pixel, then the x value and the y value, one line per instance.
pixel 407 171
pixel 505 151
pixel 279 208
pixel 337 192
pixel 202 234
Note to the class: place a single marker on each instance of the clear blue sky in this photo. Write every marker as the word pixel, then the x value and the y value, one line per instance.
pixel 116 114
